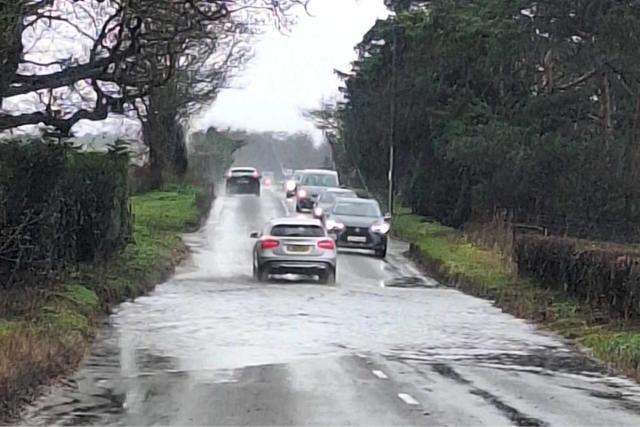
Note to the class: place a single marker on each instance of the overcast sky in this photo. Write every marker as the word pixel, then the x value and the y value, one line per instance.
pixel 293 72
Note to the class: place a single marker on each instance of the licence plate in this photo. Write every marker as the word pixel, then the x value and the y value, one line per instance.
pixel 357 239
pixel 243 181
pixel 298 248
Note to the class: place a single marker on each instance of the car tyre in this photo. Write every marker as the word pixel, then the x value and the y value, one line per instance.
pixel 381 253
pixel 256 271
pixel 328 277
pixel 263 274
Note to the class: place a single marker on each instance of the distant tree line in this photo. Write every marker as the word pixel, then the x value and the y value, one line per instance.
pixel 213 151
pixel 527 105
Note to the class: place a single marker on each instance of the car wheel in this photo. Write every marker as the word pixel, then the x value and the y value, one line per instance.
pixel 256 272
pixel 381 253
pixel 263 274
pixel 298 208
pixel 328 277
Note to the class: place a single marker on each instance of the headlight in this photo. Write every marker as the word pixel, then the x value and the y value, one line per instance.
pixel 291 185
pixel 380 228
pixel 334 225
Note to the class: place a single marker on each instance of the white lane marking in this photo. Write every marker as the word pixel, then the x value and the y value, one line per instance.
pixel 380 374
pixel 285 207
pixel 406 398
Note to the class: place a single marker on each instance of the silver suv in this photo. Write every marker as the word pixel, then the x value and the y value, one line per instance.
pixel 294 246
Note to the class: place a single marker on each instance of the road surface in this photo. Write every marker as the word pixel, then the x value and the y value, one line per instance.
pixel 385 346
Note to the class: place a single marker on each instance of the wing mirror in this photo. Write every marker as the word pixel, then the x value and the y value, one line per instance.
pixel 387 217
pixel 254 235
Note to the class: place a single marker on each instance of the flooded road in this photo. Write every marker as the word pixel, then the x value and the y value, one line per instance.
pixel 385 346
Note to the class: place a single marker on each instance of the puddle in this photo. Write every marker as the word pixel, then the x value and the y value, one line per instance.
pixel 409 282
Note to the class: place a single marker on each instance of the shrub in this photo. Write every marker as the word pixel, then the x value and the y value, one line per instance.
pixel 606 276
pixel 58 207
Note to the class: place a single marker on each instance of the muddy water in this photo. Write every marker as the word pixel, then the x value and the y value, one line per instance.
pixel 158 356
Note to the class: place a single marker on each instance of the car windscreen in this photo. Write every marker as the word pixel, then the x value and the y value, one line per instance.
pixel 357 209
pixel 320 180
pixel 296 230
pixel 330 197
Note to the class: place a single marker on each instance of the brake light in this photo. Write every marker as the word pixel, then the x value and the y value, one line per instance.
pixel 327 244
pixel 269 243
pixel 302 194
pixel 255 174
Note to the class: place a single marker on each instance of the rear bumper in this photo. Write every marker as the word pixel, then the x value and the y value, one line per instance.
pixel 235 186
pixel 297 267
pixel 305 204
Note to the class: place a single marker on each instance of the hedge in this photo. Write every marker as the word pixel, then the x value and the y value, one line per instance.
pixel 59 207
pixel 605 276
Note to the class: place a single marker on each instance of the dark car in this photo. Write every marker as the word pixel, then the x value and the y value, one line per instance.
pixel 359 224
pixel 243 180
pixel 291 184
pixel 311 184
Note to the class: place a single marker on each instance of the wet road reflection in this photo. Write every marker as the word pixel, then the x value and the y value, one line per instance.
pixel 210 346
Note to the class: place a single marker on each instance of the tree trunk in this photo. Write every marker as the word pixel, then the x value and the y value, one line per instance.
pixel 164 137
pixel 10 53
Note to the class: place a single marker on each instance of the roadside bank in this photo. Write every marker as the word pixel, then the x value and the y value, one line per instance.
pixel 449 256
pixel 54 337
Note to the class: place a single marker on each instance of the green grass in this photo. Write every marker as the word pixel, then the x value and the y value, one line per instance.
pixel 451 257
pixel 56 336
pixel 7 326
pixel 457 257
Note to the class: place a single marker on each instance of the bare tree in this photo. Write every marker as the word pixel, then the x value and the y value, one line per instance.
pixel 129 48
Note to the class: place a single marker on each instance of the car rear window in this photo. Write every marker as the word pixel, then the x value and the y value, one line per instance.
pixel 295 230
pixel 242 171
pixel 320 180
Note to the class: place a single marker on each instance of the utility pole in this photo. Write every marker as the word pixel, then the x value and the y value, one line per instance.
pixel 392 131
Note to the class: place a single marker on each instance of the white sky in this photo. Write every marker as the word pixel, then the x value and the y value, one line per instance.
pixel 290 73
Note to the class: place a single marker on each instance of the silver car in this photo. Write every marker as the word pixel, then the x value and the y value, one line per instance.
pixel 312 183
pixel 327 197
pixel 294 245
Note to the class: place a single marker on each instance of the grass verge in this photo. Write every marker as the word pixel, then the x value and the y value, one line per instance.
pixel 453 259
pixel 53 338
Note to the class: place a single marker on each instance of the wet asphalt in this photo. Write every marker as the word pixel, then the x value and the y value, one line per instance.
pixel 384 346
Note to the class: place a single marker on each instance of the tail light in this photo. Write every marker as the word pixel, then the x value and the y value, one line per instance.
pixel 269 243
pixel 302 194
pixel 327 244
pixel 255 174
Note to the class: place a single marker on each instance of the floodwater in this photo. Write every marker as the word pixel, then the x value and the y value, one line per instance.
pixel 384 346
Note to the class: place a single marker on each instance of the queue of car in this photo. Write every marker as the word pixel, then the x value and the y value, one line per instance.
pixel 340 218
